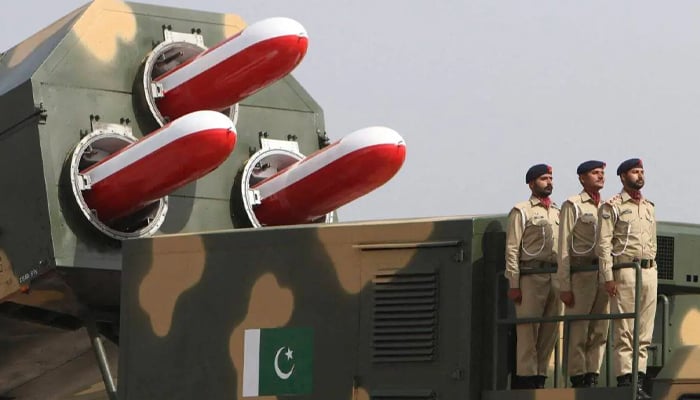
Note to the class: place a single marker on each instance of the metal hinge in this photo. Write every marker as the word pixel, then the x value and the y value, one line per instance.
pixel 41 113
pixel 157 90
pixel 195 37
pixel 84 182
pixel 459 256
pixel 323 139
pixel 254 197
pixel 289 145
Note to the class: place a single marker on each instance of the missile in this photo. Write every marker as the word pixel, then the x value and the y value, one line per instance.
pixel 234 69
pixel 331 177
pixel 161 162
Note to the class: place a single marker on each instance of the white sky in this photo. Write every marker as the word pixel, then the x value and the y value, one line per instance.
pixel 481 90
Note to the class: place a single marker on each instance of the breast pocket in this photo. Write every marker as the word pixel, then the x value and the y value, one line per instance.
pixel 536 223
pixel 588 219
pixel 624 224
pixel 536 230
pixel 586 225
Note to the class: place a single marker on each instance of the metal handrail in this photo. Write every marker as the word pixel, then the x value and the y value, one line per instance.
pixel 664 326
pixel 568 318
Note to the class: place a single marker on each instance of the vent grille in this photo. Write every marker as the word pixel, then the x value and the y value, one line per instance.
pixel 405 317
pixel 664 256
pixel 403 395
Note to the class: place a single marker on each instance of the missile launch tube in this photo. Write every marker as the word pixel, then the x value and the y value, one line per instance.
pixel 330 178
pixel 234 69
pixel 163 161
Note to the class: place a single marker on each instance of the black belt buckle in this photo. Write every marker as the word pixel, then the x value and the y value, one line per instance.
pixel 644 263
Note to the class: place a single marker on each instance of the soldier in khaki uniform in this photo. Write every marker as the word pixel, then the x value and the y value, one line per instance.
pixel 531 245
pixel 627 233
pixel 581 291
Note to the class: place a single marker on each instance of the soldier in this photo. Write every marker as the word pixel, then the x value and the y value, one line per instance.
pixel 580 291
pixel 531 245
pixel 627 233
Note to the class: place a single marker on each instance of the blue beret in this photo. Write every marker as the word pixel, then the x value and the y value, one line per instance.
pixel 628 165
pixel 536 171
pixel 589 166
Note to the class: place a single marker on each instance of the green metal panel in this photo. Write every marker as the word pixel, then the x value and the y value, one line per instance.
pixel 394 307
pixel 68 111
pixel 24 218
pixel 684 328
pixel 19 110
pixel 228 287
pixel 192 215
pixel 676 255
pixel 18 64
pixel 408 338
pixel 278 124
pixel 75 81
pixel 116 70
pixel 287 94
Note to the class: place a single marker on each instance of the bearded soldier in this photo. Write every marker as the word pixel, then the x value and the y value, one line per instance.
pixel 531 246
pixel 627 233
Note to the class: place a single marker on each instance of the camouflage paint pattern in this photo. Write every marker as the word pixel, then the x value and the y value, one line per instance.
pixel 328 278
pixel 323 277
pixel 8 280
pixel 680 375
pixel 84 70
pixel 56 87
pixel 188 296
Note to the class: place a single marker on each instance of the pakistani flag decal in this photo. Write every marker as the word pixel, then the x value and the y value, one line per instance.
pixel 277 361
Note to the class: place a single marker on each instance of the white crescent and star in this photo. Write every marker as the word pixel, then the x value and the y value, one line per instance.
pixel 278 371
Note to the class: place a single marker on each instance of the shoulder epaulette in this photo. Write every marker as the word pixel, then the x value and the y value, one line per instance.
pixel 650 202
pixel 521 205
pixel 573 199
pixel 613 202
pixel 617 199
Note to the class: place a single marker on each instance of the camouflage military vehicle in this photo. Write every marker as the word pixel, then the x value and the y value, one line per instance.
pixel 196 299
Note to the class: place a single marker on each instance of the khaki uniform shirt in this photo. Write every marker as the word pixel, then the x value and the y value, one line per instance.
pixel 532 235
pixel 625 229
pixel 577 234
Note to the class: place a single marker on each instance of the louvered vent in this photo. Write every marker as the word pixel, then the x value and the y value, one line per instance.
pixel 405 317
pixel 664 256
pixel 403 395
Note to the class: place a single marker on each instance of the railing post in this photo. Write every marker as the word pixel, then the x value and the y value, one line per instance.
pixel 635 329
pixel 664 328
pixel 608 353
pixel 566 319
pixel 565 353
pixel 557 363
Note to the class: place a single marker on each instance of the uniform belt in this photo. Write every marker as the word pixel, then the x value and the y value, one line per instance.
pixel 577 261
pixel 537 264
pixel 644 263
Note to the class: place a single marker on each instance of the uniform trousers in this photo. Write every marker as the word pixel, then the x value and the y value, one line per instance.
pixel 535 342
pixel 624 303
pixel 587 339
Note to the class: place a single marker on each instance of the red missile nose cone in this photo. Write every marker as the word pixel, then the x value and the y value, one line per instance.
pixel 332 177
pixel 155 166
pixel 234 69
